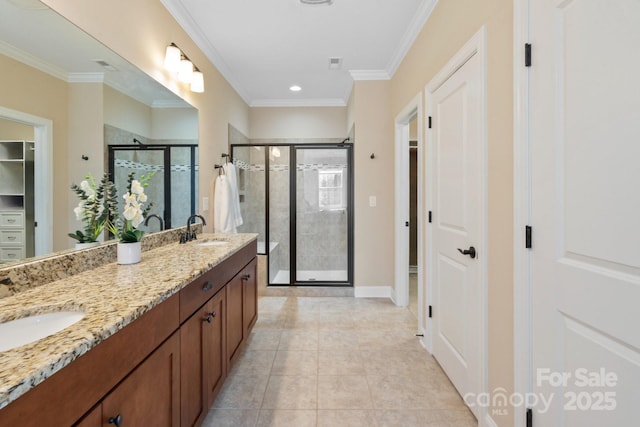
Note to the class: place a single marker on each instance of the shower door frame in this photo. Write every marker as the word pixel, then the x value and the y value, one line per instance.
pixel 293 209
pixel 166 150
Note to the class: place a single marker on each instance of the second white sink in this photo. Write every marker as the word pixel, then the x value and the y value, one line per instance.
pixel 19 332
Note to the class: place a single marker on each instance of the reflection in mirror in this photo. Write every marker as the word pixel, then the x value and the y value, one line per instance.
pixel 73 98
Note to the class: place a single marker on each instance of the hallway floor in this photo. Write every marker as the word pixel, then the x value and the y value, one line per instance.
pixel 336 361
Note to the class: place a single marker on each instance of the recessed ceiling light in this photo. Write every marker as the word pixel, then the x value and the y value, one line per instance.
pixel 295 88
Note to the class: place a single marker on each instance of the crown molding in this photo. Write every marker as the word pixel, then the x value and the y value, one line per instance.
pixel 186 21
pixel 85 78
pixel 318 102
pixel 32 61
pixel 413 30
pixel 170 104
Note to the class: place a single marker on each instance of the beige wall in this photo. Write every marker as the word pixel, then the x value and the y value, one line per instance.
pixel 174 123
pixel 301 122
pixel 452 23
pixel 126 113
pixel 373 228
pixel 86 138
pixel 139 32
pixel 14 130
pixel 30 91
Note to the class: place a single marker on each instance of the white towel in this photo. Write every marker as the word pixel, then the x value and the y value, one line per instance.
pixel 223 217
pixel 232 176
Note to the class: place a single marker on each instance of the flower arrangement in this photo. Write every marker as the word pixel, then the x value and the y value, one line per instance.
pixel 98 202
pixel 134 210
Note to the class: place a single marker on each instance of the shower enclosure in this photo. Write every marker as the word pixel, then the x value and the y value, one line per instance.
pixel 299 199
pixel 172 193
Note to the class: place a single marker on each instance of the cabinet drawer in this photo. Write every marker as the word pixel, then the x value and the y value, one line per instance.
pixel 12 219
pixel 11 254
pixel 11 237
pixel 195 294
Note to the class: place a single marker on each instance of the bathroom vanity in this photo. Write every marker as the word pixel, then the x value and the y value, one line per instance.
pixel 154 347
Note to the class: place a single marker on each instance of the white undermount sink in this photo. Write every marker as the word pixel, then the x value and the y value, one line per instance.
pixel 16 333
pixel 212 243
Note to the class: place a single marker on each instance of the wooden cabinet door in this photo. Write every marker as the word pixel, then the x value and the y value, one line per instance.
pixel 92 419
pixel 234 317
pixel 150 395
pixel 250 296
pixel 214 347
pixel 192 349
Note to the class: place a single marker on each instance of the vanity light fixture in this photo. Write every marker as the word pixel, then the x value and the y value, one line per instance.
pixel 178 63
pixel 197 81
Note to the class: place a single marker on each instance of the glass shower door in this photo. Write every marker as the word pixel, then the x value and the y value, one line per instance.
pixel 143 162
pixel 323 217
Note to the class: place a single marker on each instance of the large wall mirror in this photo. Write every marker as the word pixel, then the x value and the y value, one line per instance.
pixel 70 106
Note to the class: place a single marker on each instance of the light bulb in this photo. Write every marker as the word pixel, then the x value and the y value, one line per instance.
pixel 197 82
pixel 172 59
pixel 186 71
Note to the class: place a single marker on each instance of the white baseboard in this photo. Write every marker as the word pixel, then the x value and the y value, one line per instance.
pixel 372 291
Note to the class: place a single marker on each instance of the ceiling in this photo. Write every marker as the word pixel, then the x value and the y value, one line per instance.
pixel 262 47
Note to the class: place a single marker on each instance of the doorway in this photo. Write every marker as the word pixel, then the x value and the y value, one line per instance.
pixel 457 146
pixel 299 199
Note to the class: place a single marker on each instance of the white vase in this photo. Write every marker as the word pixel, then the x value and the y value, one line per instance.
pixel 129 253
pixel 86 245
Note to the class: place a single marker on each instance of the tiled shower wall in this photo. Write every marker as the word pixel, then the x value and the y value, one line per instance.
pixel 142 162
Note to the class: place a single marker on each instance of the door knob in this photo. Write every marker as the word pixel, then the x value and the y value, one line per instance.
pixel 117 420
pixel 471 251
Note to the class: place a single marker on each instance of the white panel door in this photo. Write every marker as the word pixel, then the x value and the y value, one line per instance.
pixel 585 158
pixel 457 191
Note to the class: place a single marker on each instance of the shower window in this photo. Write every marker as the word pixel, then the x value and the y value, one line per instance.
pixel 330 190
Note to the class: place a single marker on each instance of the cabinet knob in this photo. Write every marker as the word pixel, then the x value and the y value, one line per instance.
pixel 209 317
pixel 207 286
pixel 246 277
pixel 117 420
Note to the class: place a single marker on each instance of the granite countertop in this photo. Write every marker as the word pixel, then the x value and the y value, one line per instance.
pixel 112 296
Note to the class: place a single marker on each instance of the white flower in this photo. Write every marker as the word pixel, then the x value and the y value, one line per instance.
pixel 86 187
pixel 137 219
pixel 142 197
pixel 136 187
pixel 79 211
pixel 131 212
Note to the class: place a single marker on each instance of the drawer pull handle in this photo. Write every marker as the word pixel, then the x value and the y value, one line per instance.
pixel 246 277
pixel 11 220
pixel 207 286
pixel 11 237
pixel 117 420
pixel 209 317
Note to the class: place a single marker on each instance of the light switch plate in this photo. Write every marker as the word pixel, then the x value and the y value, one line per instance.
pixel 205 204
pixel 372 201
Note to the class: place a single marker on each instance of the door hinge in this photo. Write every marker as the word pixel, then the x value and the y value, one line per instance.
pixel 527 54
pixel 430 312
pixel 527 236
pixel 430 216
pixel 529 417
pixel 429 122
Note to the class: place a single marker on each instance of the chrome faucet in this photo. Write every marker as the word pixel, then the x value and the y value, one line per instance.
pixel 192 235
pixel 146 221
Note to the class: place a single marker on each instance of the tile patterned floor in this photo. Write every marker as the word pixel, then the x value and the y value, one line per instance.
pixel 333 362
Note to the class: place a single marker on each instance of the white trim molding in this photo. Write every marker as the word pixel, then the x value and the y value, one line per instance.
pixel 372 291
pixel 321 102
pixel 521 212
pixel 369 75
